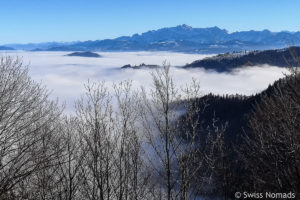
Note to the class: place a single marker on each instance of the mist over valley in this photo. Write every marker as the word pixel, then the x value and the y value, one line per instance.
pixel 65 76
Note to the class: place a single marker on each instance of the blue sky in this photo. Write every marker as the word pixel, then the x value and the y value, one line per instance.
pixel 24 21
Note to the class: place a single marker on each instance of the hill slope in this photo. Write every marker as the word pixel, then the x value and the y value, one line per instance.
pixel 236 109
pixel 85 54
pixel 227 62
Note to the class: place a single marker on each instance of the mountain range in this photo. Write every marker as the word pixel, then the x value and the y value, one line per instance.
pixel 182 38
pixel 38 46
pixel 6 48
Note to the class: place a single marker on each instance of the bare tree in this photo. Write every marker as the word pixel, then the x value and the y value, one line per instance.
pixel 70 161
pixel 96 125
pixel 132 177
pixel 101 153
pixel 157 117
pixel 113 167
pixel 171 122
pixel 27 119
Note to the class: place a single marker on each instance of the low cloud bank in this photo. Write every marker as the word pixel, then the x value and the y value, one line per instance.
pixel 65 76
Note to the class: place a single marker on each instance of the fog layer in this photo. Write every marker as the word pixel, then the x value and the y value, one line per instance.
pixel 65 76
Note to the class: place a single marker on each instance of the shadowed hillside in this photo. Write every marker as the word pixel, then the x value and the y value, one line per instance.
pixel 229 61
pixel 258 127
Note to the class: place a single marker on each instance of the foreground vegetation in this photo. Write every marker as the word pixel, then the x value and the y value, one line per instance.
pixel 142 144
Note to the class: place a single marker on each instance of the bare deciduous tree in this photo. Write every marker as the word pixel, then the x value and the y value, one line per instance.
pixel 27 121
pixel 157 116
pixel 113 166
pixel 96 125
pixel 175 152
pixel 122 146
pixel 70 161
pixel 133 179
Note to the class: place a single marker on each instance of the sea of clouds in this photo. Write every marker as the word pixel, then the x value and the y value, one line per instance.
pixel 65 76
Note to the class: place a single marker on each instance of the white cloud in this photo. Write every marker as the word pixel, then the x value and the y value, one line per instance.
pixel 65 76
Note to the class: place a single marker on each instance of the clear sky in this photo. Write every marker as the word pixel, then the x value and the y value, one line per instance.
pixel 24 21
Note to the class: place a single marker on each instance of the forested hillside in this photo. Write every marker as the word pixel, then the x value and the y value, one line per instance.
pixel 261 131
pixel 230 61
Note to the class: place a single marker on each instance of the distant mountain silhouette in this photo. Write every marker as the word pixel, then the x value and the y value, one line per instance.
pixel 6 48
pixel 182 38
pixel 143 65
pixel 229 61
pixel 85 54
pixel 39 46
